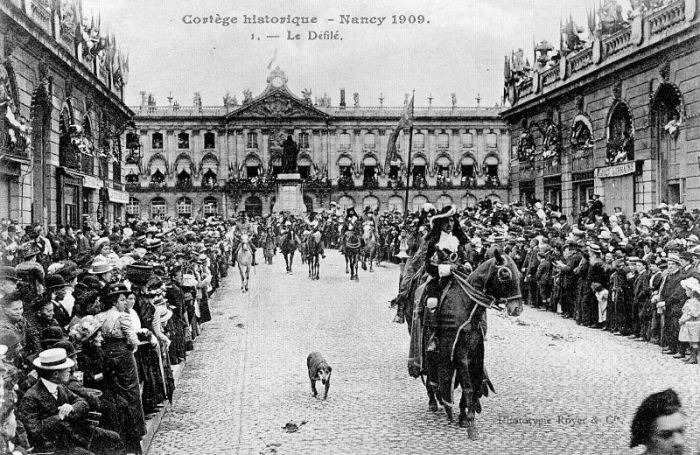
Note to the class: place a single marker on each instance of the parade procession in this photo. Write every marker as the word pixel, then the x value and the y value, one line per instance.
pixel 516 275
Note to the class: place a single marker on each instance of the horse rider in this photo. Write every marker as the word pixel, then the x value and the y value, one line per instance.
pixel 445 250
pixel 244 227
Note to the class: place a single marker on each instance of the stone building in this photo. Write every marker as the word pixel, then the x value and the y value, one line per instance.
pixel 199 161
pixel 61 98
pixel 616 115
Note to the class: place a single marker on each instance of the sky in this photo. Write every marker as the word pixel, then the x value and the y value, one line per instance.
pixel 458 48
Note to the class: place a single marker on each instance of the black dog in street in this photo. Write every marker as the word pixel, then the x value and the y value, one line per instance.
pixel 319 370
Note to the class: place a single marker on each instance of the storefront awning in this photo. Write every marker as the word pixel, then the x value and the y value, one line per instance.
pixel 369 161
pixel 118 197
pixel 491 161
pixel 345 161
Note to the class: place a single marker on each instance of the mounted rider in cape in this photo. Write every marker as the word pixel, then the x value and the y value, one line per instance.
pixel 445 252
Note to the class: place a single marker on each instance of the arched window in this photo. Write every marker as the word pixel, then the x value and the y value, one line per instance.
pixel 491 166
pixel 183 141
pixel 372 202
pixel 417 202
pixel 345 202
pixel 468 201
pixel 395 203
pixel 620 135
pixel 133 208
pixel 209 140
pixel 209 179
pixel 210 206
pixel 157 141
pixel 443 201
pixel 158 176
pixel 158 207
pixel 184 207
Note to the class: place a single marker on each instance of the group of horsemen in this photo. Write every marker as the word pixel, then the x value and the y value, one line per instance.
pixel 433 234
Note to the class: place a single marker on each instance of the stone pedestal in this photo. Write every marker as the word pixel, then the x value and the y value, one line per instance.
pixel 289 196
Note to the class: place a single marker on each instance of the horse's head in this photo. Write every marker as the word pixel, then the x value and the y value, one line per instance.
pixel 499 278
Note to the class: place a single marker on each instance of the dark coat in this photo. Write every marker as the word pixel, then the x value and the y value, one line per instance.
pixel 38 410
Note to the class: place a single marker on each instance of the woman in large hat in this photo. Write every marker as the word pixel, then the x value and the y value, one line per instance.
pixel 120 340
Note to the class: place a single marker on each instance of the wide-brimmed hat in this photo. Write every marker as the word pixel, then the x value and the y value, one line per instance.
pixel 99 267
pixel 53 359
pixel 8 273
pixel 86 328
pixel 446 212
pixel 54 282
pixel 28 250
pixel 68 270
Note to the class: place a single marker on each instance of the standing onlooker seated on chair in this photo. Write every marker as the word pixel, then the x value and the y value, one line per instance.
pixel 55 417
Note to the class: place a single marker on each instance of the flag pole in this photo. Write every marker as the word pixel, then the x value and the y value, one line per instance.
pixel 408 167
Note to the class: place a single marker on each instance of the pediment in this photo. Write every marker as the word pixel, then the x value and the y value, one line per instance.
pixel 277 104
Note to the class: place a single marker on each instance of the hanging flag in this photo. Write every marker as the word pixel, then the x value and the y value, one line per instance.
pixel 406 121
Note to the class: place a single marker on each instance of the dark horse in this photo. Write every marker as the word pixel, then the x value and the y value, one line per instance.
pixel 352 244
pixel 313 251
pixel 459 360
pixel 290 243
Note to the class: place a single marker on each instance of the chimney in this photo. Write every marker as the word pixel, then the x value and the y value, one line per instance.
pixel 342 98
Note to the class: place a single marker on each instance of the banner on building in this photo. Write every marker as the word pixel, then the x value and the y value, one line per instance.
pixel 615 171
pixel 119 197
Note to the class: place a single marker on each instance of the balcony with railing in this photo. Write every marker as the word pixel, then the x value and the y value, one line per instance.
pixel 87 164
pixel 667 17
pixel 69 157
pixel 14 149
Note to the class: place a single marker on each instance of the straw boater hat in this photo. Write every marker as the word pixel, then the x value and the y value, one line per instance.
pixel 53 359
pixel 100 266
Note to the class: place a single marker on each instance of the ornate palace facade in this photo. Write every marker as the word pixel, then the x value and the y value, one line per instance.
pixel 616 115
pixel 61 91
pixel 199 161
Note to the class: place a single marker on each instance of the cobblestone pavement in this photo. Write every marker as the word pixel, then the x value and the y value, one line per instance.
pixel 560 388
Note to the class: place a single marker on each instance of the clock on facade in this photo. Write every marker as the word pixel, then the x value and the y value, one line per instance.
pixel 277 81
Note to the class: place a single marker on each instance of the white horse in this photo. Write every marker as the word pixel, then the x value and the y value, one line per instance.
pixel 244 258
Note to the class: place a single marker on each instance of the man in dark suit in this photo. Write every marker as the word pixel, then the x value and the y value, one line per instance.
pixel 671 299
pixel 55 417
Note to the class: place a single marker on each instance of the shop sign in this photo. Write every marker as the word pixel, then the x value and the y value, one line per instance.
pixel 615 171
pixel 119 197
pixel 91 182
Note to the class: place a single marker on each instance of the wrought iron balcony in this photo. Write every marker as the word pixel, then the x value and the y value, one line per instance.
pixel 70 158
pixel 346 183
pixel 183 185
pixel 87 164
pixel 157 185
